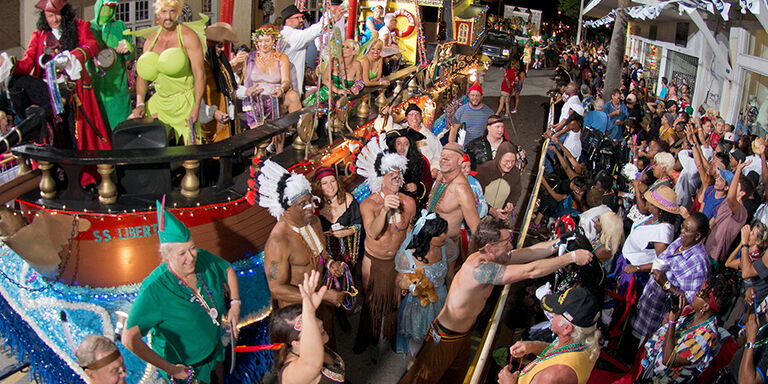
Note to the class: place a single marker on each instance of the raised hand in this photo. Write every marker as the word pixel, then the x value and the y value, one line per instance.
pixel 310 299
pixel 745 231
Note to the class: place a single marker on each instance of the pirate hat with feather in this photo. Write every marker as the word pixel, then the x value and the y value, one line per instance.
pixel 279 189
pixel 375 160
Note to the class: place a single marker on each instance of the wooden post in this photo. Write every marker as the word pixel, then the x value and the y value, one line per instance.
pixel 190 184
pixel 107 189
pixel 23 166
pixel 47 183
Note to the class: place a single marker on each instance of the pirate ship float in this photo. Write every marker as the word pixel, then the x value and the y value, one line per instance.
pixel 74 258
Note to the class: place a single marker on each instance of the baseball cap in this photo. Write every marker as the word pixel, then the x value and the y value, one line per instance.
pixel 669 104
pixel 737 154
pixel 576 305
pixel 727 175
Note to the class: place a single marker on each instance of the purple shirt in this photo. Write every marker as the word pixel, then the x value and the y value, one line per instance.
pixel 688 271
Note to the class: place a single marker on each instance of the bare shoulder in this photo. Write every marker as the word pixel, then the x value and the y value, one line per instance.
pixel 149 40
pixel 462 188
pixel 369 203
pixel 560 374
pixel 188 34
pixel 408 202
pixel 277 237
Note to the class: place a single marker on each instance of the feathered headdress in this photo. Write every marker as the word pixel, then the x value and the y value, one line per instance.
pixel 375 160
pixel 279 189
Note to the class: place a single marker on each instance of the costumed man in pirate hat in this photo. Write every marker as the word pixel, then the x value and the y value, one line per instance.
pixel 181 304
pixel 296 244
pixel 417 179
pixel 387 214
pixel 56 56
pixel 220 84
pixel 107 68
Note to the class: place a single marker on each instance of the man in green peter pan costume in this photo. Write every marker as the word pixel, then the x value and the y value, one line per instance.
pixel 107 68
pixel 181 304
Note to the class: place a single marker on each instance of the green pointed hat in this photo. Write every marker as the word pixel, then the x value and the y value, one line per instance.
pixel 170 229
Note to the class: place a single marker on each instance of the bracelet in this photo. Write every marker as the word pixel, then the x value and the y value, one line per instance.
pixel 233 301
pixel 671 321
pixel 139 105
pixel 328 265
pixel 573 256
pixel 749 345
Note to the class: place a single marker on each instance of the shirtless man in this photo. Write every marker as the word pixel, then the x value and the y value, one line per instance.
pixel 288 256
pixel 445 353
pixel 296 244
pixel 387 215
pixel 452 197
pixel 383 236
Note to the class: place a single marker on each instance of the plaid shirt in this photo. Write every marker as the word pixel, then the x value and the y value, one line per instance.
pixel 688 271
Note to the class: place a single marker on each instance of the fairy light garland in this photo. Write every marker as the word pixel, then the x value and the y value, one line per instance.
pixel 35 209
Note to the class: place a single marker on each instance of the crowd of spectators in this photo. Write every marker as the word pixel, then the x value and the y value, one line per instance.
pixel 671 200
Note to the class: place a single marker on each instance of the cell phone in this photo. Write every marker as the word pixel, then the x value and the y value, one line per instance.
pixel 673 302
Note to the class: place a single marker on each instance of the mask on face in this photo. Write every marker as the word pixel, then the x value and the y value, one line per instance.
pixel 106 14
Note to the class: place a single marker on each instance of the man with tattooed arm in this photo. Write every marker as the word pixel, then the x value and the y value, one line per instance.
pixel 296 244
pixel 445 354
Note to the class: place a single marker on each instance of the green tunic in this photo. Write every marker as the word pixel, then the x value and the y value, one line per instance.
pixel 182 331
pixel 111 86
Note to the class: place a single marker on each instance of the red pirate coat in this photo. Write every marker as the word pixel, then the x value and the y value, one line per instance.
pixel 88 47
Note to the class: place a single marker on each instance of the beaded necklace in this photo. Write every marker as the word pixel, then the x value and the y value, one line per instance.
pixel 692 327
pixel 265 59
pixel 198 297
pixel 545 354
pixel 345 285
pixel 437 195
pixel 312 243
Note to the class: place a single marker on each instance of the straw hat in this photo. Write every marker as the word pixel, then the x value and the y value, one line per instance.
pixel 664 198
pixel 221 32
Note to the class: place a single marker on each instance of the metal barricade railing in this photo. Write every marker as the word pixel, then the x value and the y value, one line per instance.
pixel 477 368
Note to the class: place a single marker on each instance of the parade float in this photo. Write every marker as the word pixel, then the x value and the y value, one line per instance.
pixel 73 259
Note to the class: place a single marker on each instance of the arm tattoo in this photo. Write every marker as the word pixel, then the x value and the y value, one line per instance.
pixel 489 273
pixel 273 270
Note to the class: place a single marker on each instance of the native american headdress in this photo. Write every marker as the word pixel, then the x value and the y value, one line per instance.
pixel 279 189
pixel 375 160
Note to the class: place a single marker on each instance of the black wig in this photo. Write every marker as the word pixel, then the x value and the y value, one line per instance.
pixel 421 242
pixel 69 39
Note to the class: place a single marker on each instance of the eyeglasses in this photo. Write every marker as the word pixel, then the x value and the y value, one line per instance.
pixel 508 240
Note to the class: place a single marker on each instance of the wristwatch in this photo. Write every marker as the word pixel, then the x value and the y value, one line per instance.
pixel 749 345
pixel 667 286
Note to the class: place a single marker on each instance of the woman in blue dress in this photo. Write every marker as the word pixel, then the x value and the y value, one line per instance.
pixel 424 263
pixel 373 23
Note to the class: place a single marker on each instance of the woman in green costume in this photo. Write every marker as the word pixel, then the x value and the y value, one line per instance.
pixel 111 84
pixel 173 61
pixel 181 304
pixel 345 76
